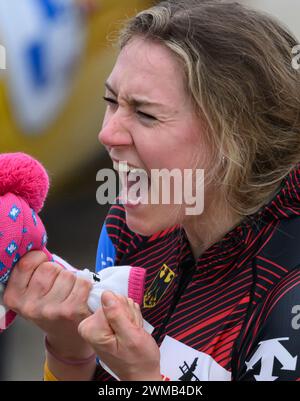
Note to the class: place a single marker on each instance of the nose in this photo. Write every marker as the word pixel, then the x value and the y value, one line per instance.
pixel 114 131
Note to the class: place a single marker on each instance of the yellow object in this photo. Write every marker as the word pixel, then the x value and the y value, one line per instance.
pixel 70 140
pixel 48 375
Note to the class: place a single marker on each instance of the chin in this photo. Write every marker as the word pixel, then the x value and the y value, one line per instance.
pixel 142 226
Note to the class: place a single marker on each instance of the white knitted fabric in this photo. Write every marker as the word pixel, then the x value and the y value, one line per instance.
pixel 114 279
pixel 122 280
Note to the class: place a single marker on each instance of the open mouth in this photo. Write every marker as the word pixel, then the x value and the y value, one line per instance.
pixel 135 182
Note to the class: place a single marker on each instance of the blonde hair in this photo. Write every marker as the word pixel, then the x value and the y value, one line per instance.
pixel 238 69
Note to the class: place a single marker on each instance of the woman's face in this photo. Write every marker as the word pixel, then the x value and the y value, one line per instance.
pixel 150 124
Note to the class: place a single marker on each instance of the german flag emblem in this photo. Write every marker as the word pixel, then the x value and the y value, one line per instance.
pixel 159 286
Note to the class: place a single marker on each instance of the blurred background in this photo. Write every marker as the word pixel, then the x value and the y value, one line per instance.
pixel 58 54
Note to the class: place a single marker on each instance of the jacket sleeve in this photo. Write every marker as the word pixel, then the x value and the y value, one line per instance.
pixel 272 351
pixel 106 252
pixel 111 244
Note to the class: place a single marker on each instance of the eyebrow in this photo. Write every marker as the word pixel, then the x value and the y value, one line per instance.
pixel 135 101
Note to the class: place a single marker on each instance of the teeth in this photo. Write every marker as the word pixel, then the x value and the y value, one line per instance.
pixel 123 167
pixel 137 170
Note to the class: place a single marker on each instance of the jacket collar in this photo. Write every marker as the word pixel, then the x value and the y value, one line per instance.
pixel 284 205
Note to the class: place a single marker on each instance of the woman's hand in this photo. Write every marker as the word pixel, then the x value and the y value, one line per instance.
pixel 116 333
pixel 52 298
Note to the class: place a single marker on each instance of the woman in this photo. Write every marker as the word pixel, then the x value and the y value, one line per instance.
pixel 197 85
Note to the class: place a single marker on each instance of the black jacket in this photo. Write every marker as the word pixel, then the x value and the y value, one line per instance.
pixel 234 314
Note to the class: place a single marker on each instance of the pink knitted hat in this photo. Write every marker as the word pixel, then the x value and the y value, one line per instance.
pixel 24 185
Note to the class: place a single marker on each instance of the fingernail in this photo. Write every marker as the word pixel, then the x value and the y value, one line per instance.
pixel 108 299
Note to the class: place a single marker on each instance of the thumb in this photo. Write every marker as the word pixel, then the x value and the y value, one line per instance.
pixel 95 328
pixel 118 315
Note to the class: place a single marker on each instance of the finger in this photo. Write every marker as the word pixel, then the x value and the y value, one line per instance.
pixel 43 279
pixel 128 305
pixel 78 298
pixel 118 319
pixel 13 296
pixel 61 287
pixel 140 319
pixel 96 330
pixel 24 269
pixel 133 312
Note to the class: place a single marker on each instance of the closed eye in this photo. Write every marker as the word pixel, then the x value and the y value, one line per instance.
pixel 110 101
pixel 145 115
pixel 113 103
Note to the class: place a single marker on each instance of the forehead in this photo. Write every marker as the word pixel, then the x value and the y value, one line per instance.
pixel 148 68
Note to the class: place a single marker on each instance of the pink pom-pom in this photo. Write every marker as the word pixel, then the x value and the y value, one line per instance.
pixel 24 176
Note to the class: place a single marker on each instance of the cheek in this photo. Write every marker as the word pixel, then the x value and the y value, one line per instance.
pixel 157 149
pixel 197 152
pixel 154 156
pixel 149 149
pixel 169 148
pixel 171 155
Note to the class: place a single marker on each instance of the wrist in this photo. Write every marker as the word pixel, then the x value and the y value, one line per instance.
pixel 61 371
pixel 68 350
pixel 68 361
